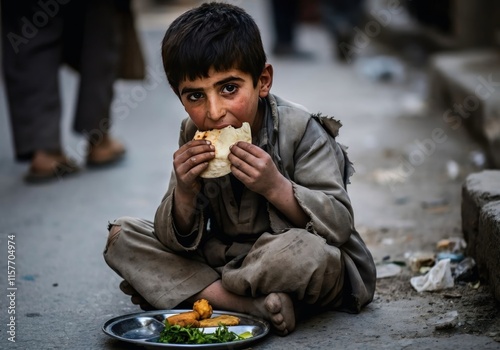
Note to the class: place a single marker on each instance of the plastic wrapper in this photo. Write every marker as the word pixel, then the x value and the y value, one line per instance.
pixel 439 277
pixel 466 271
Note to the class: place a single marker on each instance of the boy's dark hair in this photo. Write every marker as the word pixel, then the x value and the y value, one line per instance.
pixel 217 35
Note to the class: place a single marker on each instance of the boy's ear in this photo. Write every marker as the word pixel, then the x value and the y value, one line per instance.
pixel 266 80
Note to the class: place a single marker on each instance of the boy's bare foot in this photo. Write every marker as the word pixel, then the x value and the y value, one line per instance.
pixel 135 297
pixel 278 309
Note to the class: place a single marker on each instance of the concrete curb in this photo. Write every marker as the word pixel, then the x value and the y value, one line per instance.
pixel 488 243
pixel 481 224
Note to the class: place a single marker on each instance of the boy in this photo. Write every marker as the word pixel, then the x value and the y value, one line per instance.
pixel 275 237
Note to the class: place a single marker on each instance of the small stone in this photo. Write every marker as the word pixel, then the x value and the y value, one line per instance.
pixel 447 321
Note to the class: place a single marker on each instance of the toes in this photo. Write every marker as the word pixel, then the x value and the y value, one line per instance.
pixel 284 318
pixel 281 332
pixel 277 319
pixel 126 288
pixel 146 306
pixel 137 300
pixel 273 303
pixel 135 297
pixel 280 313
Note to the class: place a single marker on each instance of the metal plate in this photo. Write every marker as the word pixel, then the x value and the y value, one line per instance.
pixel 144 329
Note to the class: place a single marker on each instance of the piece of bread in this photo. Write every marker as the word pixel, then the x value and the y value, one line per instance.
pixel 222 139
pixel 226 320
pixel 185 319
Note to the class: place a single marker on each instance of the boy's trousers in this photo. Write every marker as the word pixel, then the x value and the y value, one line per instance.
pixel 295 262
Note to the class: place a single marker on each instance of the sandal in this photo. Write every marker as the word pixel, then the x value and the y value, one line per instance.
pixel 107 151
pixel 47 166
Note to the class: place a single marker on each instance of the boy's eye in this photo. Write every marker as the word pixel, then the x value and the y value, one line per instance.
pixel 229 88
pixel 195 96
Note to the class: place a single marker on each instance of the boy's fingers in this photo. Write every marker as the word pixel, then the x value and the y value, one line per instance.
pixel 191 149
pixel 193 159
pixel 247 147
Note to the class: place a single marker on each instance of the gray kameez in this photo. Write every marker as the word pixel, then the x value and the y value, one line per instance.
pixel 240 238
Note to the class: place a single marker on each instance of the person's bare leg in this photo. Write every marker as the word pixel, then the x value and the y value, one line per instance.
pixel 277 308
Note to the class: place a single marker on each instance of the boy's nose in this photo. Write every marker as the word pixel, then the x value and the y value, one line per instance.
pixel 215 111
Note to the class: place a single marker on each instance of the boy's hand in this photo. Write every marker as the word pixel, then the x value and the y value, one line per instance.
pixel 190 160
pixel 255 168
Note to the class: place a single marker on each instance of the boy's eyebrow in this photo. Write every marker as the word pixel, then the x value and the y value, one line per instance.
pixel 231 78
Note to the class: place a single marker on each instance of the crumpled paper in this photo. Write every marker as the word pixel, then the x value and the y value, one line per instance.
pixel 437 278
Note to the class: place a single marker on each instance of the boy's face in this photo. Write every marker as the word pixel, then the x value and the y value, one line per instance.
pixel 225 98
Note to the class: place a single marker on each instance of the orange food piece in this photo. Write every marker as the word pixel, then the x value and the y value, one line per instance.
pixel 201 316
pixel 184 319
pixel 203 308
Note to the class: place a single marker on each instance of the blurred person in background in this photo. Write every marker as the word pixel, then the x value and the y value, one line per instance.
pixel 38 36
pixel 285 16
pixel 340 18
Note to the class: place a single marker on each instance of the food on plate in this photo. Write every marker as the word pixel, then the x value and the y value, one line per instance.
pixel 184 319
pixel 225 320
pixel 201 317
pixel 189 335
pixel 222 139
pixel 203 308
pixel 188 327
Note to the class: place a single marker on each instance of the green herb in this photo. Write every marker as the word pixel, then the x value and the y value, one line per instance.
pixel 190 335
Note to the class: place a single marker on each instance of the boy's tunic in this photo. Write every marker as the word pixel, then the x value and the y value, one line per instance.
pixel 249 245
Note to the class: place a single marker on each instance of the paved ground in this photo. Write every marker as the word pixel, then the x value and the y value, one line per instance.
pixel 406 195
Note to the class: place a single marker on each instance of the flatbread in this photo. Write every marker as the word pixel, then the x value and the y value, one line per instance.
pixel 226 320
pixel 222 139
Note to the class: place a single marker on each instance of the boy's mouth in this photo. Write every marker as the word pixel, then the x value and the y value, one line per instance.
pixel 222 126
pixel 225 125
